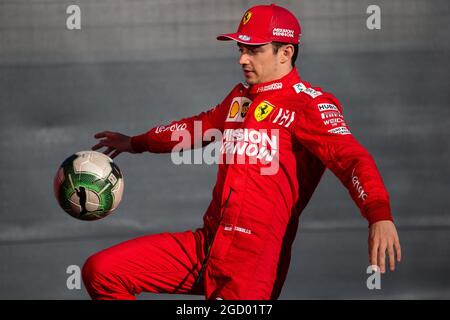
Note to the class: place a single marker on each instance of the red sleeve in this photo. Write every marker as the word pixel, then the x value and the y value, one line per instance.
pixel 163 139
pixel 322 129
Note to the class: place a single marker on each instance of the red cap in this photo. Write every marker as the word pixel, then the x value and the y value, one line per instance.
pixel 266 23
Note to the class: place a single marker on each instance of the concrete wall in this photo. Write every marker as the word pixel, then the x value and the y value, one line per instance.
pixel 35 31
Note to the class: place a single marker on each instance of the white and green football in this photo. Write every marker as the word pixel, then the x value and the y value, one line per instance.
pixel 88 185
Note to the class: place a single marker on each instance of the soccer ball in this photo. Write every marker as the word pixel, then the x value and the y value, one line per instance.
pixel 88 185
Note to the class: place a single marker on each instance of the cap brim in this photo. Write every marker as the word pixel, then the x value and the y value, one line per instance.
pixel 242 38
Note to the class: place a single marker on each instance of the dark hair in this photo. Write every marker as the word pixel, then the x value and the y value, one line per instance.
pixel 277 45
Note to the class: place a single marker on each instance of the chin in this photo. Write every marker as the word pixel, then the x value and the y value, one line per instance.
pixel 251 81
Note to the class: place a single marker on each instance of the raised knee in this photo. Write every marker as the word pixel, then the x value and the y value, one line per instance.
pixel 95 266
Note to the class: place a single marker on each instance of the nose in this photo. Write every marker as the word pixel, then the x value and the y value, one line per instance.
pixel 243 59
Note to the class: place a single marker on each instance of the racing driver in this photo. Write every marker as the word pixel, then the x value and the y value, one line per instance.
pixel 278 135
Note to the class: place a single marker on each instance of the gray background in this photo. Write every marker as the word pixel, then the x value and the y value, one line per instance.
pixel 139 63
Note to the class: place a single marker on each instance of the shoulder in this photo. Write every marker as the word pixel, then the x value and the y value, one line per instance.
pixel 306 96
pixel 321 109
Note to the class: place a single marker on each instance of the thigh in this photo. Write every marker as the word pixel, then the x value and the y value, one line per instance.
pixel 160 263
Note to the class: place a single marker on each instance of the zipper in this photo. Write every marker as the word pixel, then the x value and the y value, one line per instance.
pixel 208 250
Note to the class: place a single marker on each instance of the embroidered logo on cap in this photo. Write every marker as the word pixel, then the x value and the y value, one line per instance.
pixel 246 17
pixel 243 37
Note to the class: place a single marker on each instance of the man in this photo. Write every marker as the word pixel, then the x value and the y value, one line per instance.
pixel 279 134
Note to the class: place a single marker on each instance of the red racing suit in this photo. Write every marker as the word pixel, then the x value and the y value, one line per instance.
pixel 252 219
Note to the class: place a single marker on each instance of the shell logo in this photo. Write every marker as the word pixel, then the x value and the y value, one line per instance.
pixel 234 109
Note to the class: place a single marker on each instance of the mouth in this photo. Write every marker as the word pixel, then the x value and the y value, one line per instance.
pixel 247 72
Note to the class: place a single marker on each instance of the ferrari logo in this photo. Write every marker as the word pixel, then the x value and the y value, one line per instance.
pixel 263 110
pixel 246 17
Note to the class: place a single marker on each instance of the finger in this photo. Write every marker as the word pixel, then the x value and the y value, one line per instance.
pixel 382 257
pixel 103 134
pixel 98 146
pixel 374 254
pixel 115 154
pixel 108 150
pixel 398 250
pixel 391 256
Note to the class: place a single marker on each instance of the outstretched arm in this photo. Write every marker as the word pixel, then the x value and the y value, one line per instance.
pixel 322 130
pixel 160 139
pixel 163 139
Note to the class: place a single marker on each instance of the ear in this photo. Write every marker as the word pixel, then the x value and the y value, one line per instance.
pixel 286 53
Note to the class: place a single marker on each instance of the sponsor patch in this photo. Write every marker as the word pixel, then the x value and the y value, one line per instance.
pixel 273 86
pixel 279 32
pixel 263 110
pixel 327 107
pixel 172 128
pixel 331 114
pixel 244 108
pixel 358 186
pixel 334 121
pixel 234 110
pixel 340 130
pixel 300 87
pixel 243 230
pixel 252 143
pixel 238 109
pixel 230 227
pixel 284 117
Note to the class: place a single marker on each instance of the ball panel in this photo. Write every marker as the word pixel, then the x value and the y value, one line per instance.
pixel 75 206
pixel 96 163
pixel 117 193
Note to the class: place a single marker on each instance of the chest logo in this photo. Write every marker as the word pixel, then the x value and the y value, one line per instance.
pixel 234 110
pixel 244 109
pixel 238 109
pixel 263 110
pixel 284 117
pixel 300 87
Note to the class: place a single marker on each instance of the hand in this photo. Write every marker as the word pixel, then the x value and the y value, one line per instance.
pixel 114 142
pixel 383 236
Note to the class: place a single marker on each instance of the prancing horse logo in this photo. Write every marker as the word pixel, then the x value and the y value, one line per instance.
pixel 246 17
pixel 263 110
